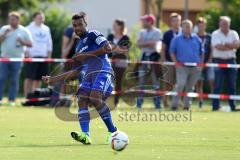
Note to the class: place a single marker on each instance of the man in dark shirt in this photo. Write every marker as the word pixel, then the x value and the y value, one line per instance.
pixel 207 73
pixel 169 71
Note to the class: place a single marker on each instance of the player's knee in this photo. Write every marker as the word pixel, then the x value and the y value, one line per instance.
pixel 95 101
pixel 82 101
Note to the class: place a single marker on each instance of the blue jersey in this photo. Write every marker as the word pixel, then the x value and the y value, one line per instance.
pixel 93 40
pixel 96 71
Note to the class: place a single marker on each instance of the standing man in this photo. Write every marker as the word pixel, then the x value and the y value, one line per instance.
pixel 42 48
pixel 169 72
pixel 225 43
pixel 208 72
pixel 148 39
pixel 13 38
pixel 69 43
pixel 186 48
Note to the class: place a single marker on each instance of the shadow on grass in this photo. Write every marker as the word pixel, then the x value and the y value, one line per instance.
pixel 50 146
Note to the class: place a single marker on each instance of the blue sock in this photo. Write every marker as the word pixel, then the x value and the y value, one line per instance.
pixel 84 119
pixel 105 114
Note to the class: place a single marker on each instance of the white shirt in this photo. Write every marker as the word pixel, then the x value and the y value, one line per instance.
pixel 152 35
pixel 42 40
pixel 218 37
pixel 10 48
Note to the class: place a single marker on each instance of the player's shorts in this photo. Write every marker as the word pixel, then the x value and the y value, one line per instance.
pixel 35 70
pixel 101 81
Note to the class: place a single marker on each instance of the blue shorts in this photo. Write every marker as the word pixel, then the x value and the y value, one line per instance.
pixel 102 82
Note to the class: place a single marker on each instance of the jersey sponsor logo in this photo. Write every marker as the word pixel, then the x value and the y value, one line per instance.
pixel 84 48
pixel 100 39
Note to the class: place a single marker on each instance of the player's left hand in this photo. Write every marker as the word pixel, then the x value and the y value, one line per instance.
pixel 79 57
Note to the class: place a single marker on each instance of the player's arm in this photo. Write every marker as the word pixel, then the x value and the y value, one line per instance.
pixel 67 75
pixel 107 48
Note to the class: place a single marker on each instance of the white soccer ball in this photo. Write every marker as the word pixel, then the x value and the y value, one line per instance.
pixel 119 141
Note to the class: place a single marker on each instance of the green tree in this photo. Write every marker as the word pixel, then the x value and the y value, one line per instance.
pixel 7 5
pixel 227 5
pixel 229 8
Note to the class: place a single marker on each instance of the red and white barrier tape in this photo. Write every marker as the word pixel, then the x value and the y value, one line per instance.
pixel 190 94
pixel 33 60
pixel 215 65
pixel 160 93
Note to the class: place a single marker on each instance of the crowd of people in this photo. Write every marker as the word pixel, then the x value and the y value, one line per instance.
pixel 181 43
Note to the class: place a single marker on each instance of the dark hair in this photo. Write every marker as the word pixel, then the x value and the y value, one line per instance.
pixel 80 15
pixel 121 23
pixel 37 13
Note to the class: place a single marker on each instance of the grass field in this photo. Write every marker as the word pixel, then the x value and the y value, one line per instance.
pixel 36 133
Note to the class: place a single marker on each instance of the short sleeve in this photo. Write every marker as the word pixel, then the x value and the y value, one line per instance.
pixel 68 32
pixel 235 36
pixel 165 38
pixel 98 38
pixel 28 35
pixel 157 36
pixel 110 37
pixel 173 46
pixel 2 30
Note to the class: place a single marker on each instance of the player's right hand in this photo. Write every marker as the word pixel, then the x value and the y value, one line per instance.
pixel 46 79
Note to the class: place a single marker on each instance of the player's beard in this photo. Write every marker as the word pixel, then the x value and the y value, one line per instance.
pixel 81 33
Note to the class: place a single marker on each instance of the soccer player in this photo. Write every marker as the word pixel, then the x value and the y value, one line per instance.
pixel 96 72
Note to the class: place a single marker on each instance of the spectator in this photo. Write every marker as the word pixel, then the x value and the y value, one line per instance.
pixel 13 38
pixel 186 48
pixel 225 43
pixel 207 73
pixel 69 42
pixel 148 39
pixel 42 48
pixel 120 38
pixel 169 72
